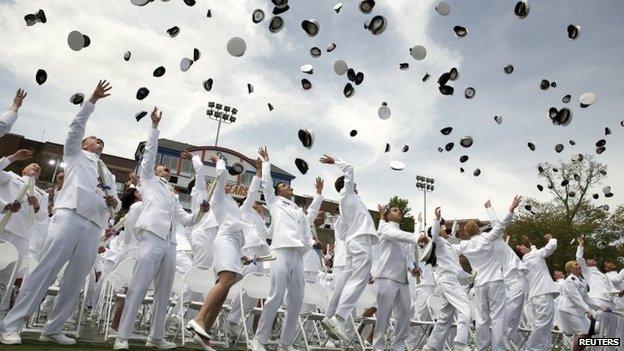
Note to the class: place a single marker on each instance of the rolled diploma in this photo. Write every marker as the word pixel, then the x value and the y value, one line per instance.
pixel 199 214
pixel 7 216
pixel 111 209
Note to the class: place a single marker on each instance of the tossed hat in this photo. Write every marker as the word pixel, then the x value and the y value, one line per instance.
pixel 476 172
pixel 77 99
pixel 566 98
pixel 127 55
pixel 301 165
pixel 276 24
pixel 173 31
pixel 236 47
pixel 270 105
pixel 587 99
pixel 159 71
pixel 235 169
pixel 460 31
pixel 522 9
pixel 607 131
pixel 531 146
pixel 338 7
pixel 508 69
pixel 498 119
pixel 453 74
pixel 340 67
pixel 41 76
pixel 315 52
pixel 331 47
pixel 466 141
pixel 387 148
pixel 572 142
pixel 377 24
pixel 403 66
pixel 446 89
pixel 250 88
pixel 306 136
pixel 405 148
pixel 446 130
pixel 353 132
pixel 544 84
pixel 469 93
pixel 443 8
pixel 463 158
pixel 359 78
pixel 311 27
pixel 418 52
pixel 208 84
pixel 142 93
pixel 449 146
pixel 425 77
pixel 196 54
pixel 366 6
pixel 348 90
pixel 306 84
pixel 383 111
pixel 574 31
pixel 540 187
pixel 77 41
pixel 140 115
pixel 257 16
pixel 278 10
pixel 559 148
pixel 397 165
pixel 351 74
pixel 185 64
pixel 139 2
pixel 307 68
pixel 190 2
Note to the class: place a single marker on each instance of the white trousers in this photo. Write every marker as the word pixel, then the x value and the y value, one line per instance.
pixel 454 301
pixel 71 239
pixel 540 338
pixel 420 312
pixel 156 261
pixel 6 282
pixel 392 295
pixel 355 277
pixel 339 280
pixel 490 315
pixel 202 242
pixel 515 291
pixel 235 315
pixel 286 274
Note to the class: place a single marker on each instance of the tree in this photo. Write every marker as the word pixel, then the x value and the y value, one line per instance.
pixel 407 223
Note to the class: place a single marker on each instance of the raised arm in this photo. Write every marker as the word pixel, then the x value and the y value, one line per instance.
pixel 499 228
pixel 73 142
pixel 19 155
pixel 315 206
pixel 347 170
pixel 146 170
pixel 199 192
pixel 267 181
pixel 579 256
pixel 8 119
pixel 550 247
pixel 253 193
pixel 435 229
pixel 491 213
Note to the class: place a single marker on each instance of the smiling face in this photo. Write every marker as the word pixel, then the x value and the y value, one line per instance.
pixel 394 214
pixel 284 190
pixel 591 262
pixel 93 144
pixel 573 267
pixel 522 249
pixel 32 170
pixel 163 171
pixel 558 275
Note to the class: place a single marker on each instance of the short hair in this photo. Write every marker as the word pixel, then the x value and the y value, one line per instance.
pixel 339 183
pixel 277 186
pixel 568 266
pixel 471 228
pixel 92 137
pixel 159 164
pixel 128 198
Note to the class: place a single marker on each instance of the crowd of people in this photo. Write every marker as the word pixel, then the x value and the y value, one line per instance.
pixel 85 228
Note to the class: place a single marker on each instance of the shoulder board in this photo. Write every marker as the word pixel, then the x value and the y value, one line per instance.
pixel 572 277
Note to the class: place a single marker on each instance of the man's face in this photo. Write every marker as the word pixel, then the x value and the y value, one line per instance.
pixel 576 268
pixel 59 180
pixel 32 170
pixel 163 171
pixel 591 262
pixel 93 144
pixel 558 275
pixel 610 266
pixel 394 214
pixel 523 249
pixel 284 190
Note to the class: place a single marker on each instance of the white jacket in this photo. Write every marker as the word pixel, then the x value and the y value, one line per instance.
pixel 226 211
pixel 256 234
pixel 161 209
pixel 510 262
pixel 447 260
pixel 6 122
pixel 21 222
pixel 340 248
pixel 540 282
pixel 574 298
pixel 82 190
pixel 352 210
pixel 479 250
pixel 598 282
pixel 289 224
pixel 393 260
pixel 199 194
pixel 312 258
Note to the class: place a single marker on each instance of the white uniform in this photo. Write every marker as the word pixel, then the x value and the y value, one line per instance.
pixel 573 305
pixel 6 122
pixel 390 275
pixel 599 286
pixel 489 285
pixel 255 245
pixel 20 228
pixel 420 293
pixel 516 286
pixel 312 259
pixel 360 238
pixel 156 241
pixel 542 291
pixel 73 235
pixel 291 239
pixel 340 260
pixel 455 298
pixel 204 233
pixel 617 279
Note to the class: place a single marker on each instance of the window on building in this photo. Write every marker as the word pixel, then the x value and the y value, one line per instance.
pixel 246 178
pixel 170 161
pixel 187 167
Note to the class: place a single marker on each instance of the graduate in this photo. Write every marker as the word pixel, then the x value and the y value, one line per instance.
pixel 82 213
pixel 25 217
pixel 360 238
pixel 542 293
pixel 155 231
pixel 292 238
pixel 8 118
pixel 228 256
pixel 489 284
pixel 455 298
pixel 390 275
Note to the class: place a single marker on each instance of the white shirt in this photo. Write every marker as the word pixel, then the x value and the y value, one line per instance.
pixel 340 248
pixel 226 212
pixel 21 222
pixel 182 233
pixel 6 122
pixel 352 210
pixel 598 282
pixel 574 298
pixel 479 252
pixel 289 224
pixel 161 209
pixel 447 260
pixel 393 260
pixel 510 262
pixel 617 279
pixel 537 274
pixel 199 194
pixel 256 234
pixel 82 189
pixel 312 258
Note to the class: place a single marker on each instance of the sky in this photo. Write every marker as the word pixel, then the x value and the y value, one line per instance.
pixel 537 46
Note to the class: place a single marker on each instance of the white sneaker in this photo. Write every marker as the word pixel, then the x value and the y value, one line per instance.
pixel 281 347
pixel 340 327
pixel 330 328
pixel 160 344
pixel 121 344
pixel 201 343
pixel 60 338
pixel 10 338
pixel 256 345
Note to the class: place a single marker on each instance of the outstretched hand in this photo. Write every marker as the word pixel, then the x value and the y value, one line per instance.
pixel 548 237
pixel 580 240
pixel 18 100
pixel 515 202
pixel 264 153
pixel 259 167
pixel 328 160
pixel 186 155
pixel 488 203
pixel 318 185
pixel 156 117
pixel 438 213
pixel 101 91
pixel 21 155
pixel 382 210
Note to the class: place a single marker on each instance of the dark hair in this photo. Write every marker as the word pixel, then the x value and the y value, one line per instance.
pixel 128 198
pixel 190 185
pixel 339 183
pixel 277 186
pixel 520 254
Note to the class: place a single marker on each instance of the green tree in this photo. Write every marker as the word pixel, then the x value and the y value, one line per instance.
pixel 407 223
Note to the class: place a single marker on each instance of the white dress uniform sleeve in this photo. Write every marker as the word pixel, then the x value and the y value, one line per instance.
pixel 267 184
pixel 185 218
pixel 218 197
pixel 548 250
pixel 73 142
pixel 4 162
pixel 617 279
pixel 492 214
pixel 314 208
pixel 581 262
pixel 199 192
pixel 347 170
pixel 6 122
pixel 398 235
pixel 146 169
pixel 498 229
pixel 571 290
pixel 253 194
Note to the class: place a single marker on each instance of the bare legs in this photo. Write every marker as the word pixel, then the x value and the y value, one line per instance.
pixel 214 300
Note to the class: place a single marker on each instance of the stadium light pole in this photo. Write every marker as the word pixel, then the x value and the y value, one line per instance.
pixel 425 185
pixel 222 114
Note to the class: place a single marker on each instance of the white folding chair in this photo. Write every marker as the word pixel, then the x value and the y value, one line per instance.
pixel 8 255
pixel 366 300
pixel 198 280
pixel 256 286
pixel 316 295
pixel 119 278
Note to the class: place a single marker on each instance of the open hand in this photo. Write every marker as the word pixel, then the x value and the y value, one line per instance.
pixel 101 91
pixel 262 151
pixel 21 155
pixel 580 240
pixel 328 160
pixel 205 206
pixel 34 202
pixel 438 213
pixel 318 185
pixel 111 201
pixel 514 203
pixel 13 207
pixel 488 204
pixel 18 100
pixel 156 116
pixel 548 237
pixel 186 155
